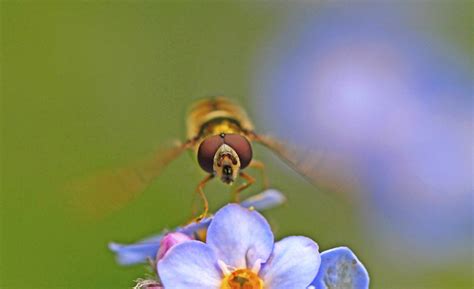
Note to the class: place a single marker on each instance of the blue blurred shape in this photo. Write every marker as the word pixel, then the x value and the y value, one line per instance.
pixel 374 84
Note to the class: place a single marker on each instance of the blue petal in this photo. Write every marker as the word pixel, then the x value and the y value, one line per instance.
pixel 341 269
pixel 194 227
pixel 264 200
pixel 136 253
pixel 190 265
pixel 240 236
pixel 293 264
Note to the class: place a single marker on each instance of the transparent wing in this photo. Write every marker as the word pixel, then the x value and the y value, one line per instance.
pixel 324 169
pixel 110 189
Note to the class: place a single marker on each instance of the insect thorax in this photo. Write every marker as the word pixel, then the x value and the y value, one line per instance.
pixel 216 115
pixel 220 125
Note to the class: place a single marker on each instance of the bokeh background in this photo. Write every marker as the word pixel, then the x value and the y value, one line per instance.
pixel 94 84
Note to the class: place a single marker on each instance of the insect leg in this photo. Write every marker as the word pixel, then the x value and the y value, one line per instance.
pixel 249 181
pixel 261 166
pixel 200 191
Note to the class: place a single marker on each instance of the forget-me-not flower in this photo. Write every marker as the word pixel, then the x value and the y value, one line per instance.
pixel 240 252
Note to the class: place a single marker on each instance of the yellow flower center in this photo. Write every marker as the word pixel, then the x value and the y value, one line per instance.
pixel 242 279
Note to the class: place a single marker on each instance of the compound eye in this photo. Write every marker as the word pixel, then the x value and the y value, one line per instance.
pixel 241 146
pixel 207 150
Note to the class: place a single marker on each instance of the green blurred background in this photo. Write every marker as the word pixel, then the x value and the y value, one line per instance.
pixel 87 85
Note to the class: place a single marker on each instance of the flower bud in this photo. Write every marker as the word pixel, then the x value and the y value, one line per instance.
pixel 169 241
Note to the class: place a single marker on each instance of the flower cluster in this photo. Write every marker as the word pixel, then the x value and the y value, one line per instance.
pixel 239 252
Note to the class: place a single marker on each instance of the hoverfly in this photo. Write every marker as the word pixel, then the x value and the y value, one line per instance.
pixel 221 135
